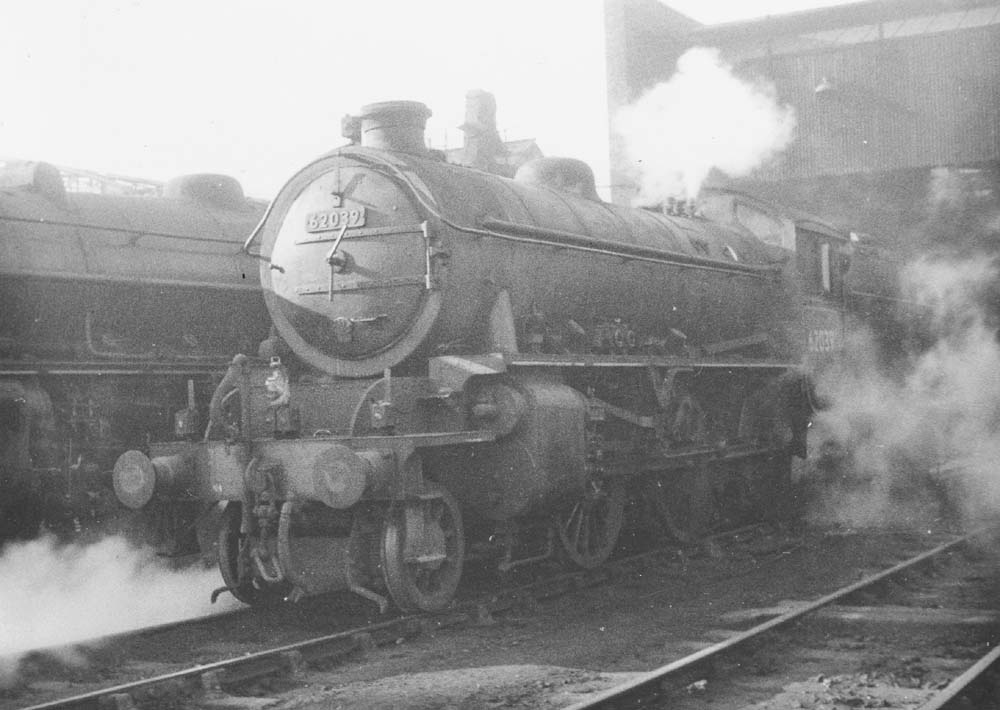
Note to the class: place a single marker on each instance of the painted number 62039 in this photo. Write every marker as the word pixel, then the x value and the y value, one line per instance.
pixel 335 219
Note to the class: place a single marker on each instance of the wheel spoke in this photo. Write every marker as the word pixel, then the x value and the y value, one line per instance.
pixel 579 518
pixel 567 524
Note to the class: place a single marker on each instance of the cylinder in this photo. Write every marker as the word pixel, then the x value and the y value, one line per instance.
pixel 542 460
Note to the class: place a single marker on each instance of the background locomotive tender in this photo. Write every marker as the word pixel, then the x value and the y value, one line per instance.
pixel 117 313
pixel 467 363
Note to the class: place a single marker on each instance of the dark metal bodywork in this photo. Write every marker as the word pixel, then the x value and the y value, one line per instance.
pixel 409 292
pixel 127 279
pixel 117 313
pixel 452 344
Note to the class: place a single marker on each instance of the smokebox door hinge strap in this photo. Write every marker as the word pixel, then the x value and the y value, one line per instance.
pixel 435 257
pixel 331 256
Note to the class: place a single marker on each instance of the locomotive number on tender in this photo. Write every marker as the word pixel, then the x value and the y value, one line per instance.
pixel 822 341
pixel 335 219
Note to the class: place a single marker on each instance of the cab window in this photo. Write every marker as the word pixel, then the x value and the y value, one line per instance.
pixel 763 226
pixel 820 266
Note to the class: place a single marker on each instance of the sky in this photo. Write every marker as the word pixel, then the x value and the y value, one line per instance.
pixel 256 88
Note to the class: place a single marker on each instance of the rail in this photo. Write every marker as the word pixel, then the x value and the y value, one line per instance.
pixel 212 677
pixel 208 677
pixel 650 686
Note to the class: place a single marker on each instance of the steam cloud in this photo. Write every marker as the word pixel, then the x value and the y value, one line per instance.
pixel 54 596
pixel 703 117
pixel 924 443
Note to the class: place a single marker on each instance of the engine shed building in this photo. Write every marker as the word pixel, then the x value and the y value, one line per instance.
pixel 897 105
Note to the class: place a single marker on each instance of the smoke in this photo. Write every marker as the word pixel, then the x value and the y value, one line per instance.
pixel 703 117
pixel 922 441
pixel 962 211
pixel 54 596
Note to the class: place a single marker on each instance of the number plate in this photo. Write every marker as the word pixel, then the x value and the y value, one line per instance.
pixel 335 219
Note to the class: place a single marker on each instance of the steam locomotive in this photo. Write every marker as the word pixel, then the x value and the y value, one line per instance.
pixel 117 312
pixel 464 364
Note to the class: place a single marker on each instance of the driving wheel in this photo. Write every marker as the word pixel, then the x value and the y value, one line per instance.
pixel 588 526
pixel 423 546
pixel 681 503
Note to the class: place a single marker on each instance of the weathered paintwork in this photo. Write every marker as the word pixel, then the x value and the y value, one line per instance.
pixel 115 313
pixel 440 243
pixel 86 276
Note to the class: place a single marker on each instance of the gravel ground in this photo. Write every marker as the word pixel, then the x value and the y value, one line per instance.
pixel 555 653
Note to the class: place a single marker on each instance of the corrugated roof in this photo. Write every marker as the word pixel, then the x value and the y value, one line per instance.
pixel 910 27
pixel 909 16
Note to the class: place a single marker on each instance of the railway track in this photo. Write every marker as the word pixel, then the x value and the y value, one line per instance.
pixel 481 604
pixel 666 686
pixel 286 664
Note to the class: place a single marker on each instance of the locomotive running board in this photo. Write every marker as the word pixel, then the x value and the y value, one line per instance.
pixel 421 440
pixel 123 367
pixel 633 361
pixel 671 461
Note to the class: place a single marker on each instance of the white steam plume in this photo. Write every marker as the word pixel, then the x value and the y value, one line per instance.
pixel 925 441
pixel 56 595
pixel 703 117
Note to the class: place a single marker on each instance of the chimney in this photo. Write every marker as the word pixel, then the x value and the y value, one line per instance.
pixel 395 125
pixel 482 147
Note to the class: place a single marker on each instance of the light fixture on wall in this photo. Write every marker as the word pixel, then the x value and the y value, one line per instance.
pixel 824 86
